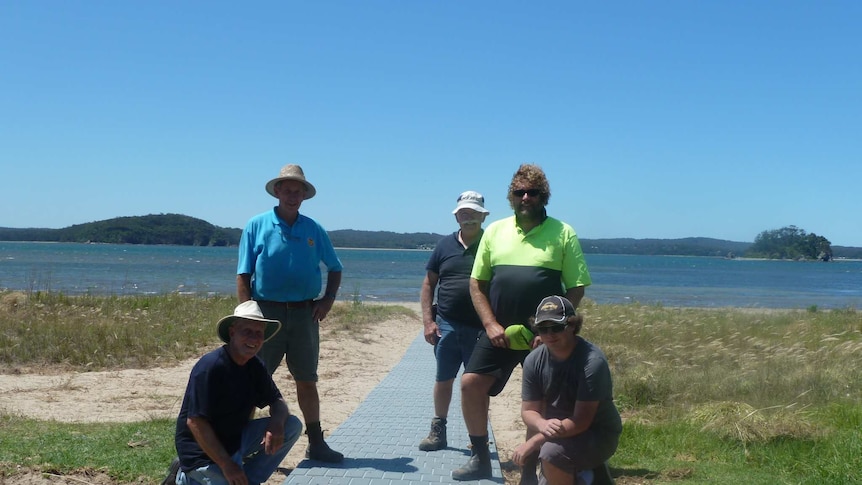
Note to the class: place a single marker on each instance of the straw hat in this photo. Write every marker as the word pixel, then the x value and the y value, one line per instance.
pixel 247 310
pixel 291 172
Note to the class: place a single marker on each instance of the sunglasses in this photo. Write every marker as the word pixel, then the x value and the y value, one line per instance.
pixel 530 192
pixel 556 328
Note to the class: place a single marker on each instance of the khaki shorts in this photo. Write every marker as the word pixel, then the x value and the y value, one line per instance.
pixel 298 341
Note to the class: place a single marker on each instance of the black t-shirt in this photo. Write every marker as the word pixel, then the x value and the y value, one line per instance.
pixel 225 394
pixel 453 265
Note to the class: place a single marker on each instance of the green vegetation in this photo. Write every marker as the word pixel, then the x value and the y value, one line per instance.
pixel 151 229
pixel 349 238
pixel 708 395
pixel 690 246
pixel 734 396
pixel 88 333
pixel 183 230
pixel 790 242
pixel 127 452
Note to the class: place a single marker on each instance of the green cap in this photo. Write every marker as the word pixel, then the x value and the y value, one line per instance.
pixel 520 337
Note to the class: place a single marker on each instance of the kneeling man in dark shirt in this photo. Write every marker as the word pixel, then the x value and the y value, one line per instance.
pixel 217 440
pixel 567 401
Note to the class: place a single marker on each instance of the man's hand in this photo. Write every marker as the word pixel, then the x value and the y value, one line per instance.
pixel 527 448
pixel 551 428
pixel 233 473
pixel 272 442
pixel 537 341
pixel 322 308
pixel 497 335
pixel 432 332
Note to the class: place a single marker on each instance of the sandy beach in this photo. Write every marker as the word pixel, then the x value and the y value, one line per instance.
pixel 346 377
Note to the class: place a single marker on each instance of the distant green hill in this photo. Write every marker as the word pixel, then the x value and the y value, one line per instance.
pixel 349 238
pixel 172 229
pixel 183 230
pixel 690 246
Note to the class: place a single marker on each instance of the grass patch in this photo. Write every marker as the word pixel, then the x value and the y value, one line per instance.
pixel 356 318
pixel 133 452
pixel 121 332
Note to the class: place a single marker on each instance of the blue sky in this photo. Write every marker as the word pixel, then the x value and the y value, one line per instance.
pixel 652 119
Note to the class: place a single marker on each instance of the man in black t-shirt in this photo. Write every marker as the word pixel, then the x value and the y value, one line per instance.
pixel 216 439
pixel 455 327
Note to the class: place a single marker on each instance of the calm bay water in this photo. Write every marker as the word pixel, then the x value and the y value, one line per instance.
pixel 389 275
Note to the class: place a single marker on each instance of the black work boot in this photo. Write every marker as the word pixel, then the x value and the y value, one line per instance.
pixel 479 464
pixel 436 439
pixel 528 470
pixel 602 475
pixel 317 448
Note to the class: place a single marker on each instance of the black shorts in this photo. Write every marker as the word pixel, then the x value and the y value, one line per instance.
pixel 495 361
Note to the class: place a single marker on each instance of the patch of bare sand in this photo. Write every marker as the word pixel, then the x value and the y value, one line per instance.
pixel 346 377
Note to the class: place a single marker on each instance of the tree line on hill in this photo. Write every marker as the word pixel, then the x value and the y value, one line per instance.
pixel 791 242
pixel 175 229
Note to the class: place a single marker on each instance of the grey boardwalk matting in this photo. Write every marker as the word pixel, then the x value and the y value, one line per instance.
pixel 380 441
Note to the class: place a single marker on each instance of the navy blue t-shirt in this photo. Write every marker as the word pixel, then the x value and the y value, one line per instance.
pixel 453 264
pixel 225 394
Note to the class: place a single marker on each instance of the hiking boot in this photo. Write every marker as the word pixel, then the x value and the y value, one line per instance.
pixel 436 439
pixel 477 467
pixel 602 475
pixel 173 469
pixel 322 452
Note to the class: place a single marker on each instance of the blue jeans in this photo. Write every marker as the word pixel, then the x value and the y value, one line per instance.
pixel 454 347
pixel 257 465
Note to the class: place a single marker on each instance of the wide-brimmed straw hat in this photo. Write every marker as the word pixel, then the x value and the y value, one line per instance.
pixel 247 310
pixel 291 172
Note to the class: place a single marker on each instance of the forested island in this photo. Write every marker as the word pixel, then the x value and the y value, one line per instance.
pixel 175 229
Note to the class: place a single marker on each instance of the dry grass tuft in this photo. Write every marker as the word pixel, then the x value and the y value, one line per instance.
pixel 745 424
pixel 12 301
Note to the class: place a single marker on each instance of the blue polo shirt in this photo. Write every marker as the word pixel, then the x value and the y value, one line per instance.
pixel 284 260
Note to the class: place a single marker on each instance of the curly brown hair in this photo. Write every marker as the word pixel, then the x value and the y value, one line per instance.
pixel 530 175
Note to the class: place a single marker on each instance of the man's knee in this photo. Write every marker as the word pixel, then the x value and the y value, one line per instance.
pixel 476 384
pixel 306 386
pixel 555 475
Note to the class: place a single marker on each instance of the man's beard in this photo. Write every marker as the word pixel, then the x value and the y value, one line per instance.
pixel 529 212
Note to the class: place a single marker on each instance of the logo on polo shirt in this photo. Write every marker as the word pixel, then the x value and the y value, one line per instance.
pixel 310 242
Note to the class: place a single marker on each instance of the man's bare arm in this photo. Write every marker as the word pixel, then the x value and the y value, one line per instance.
pixel 243 287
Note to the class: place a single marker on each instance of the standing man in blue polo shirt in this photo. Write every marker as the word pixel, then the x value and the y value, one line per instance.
pixel 279 267
pixel 455 327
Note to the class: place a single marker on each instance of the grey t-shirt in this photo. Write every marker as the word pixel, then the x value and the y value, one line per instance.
pixel 584 376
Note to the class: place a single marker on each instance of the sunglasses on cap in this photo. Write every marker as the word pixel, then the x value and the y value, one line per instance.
pixel 555 328
pixel 530 192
